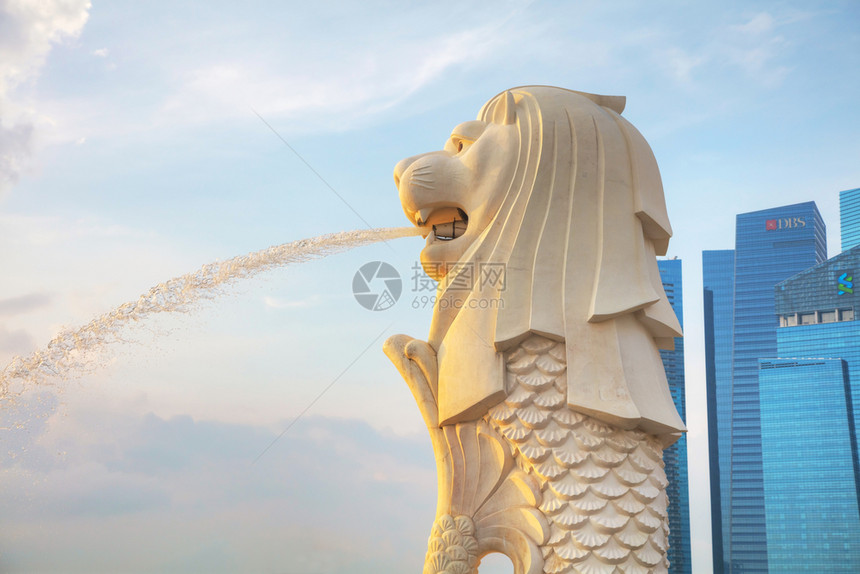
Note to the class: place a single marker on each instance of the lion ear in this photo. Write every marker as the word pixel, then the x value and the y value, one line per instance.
pixel 506 110
pixel 614 103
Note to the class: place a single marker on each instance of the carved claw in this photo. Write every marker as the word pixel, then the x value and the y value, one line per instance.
pixel 416 361
pixel 425 357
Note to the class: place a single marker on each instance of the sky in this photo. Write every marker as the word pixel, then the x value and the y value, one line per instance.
pixel 265 431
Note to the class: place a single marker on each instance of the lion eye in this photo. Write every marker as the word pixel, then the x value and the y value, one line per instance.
pixel 460 143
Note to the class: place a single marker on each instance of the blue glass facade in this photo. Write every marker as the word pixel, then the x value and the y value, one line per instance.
pixel 675 457
pixel 817 310
pixel 810 476
pixel 849 218
pixel 770 246
pixel 810 416
pixel 718 273
pixel 835 340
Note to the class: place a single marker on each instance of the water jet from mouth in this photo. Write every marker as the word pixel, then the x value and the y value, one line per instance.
pixel 72 351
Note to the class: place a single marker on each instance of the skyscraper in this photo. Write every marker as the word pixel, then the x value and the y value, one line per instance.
pixel 819 305
pixel 675 457
pixel 810 479
pixel 718 270
pixel 770 246
pixel 849 218
pixel 810 412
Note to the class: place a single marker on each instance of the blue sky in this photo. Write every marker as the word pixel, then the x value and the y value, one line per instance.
pixel 131 152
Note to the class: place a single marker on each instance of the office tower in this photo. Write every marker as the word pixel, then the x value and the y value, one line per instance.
pixel 810 479
pixel 770 246
pixel 675 457
pixel 718 271
pixel 849 218
pixel 818 305
pixel 810 412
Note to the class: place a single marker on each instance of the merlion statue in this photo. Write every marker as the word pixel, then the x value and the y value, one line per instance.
pixel 541 383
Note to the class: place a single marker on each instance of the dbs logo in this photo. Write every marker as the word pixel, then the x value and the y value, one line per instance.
pixel 784 223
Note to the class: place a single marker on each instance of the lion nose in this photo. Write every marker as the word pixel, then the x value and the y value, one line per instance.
pixel 401 167
pixel 404 164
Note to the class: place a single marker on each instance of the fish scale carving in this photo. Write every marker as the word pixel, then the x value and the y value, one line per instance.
pixel 603 489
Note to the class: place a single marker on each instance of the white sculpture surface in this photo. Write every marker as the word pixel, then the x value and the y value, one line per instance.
pixel 541 383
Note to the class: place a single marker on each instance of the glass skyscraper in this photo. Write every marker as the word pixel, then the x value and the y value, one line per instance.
pixel 718 270
pixel 810 477
pixel 675 457
pixel 816 310
pixel 849 218
pixel 770 246
pixel 810 411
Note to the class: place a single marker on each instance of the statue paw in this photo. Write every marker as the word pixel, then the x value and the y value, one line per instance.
pixel 425 357
pixel 416 361
pixel 395 349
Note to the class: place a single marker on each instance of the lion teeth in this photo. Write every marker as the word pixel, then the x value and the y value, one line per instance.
pixel 449 231
pixel 421 216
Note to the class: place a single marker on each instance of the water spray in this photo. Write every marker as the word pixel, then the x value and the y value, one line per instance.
pixel 69 353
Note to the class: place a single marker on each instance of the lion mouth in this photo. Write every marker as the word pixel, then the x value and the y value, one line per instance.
pixel 445 224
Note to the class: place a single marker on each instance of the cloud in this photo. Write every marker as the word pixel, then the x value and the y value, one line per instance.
pixel 51 230
pixel 309 80
pixel 708 50
pixel 145 493
pixel 28 30
pixel 756 47
pixel 22 421
pixel 680 64
pixel 276 303
pixel 757 25
pixel 23 303
pixel 15 342
pixel 365 78
pixel 16 143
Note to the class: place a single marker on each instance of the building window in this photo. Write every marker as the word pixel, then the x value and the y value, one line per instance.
pixel 815 317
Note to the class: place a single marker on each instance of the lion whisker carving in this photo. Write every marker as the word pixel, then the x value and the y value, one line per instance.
pixel 542 389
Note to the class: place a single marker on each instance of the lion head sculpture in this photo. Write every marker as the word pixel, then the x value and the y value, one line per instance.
pixel 545 216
